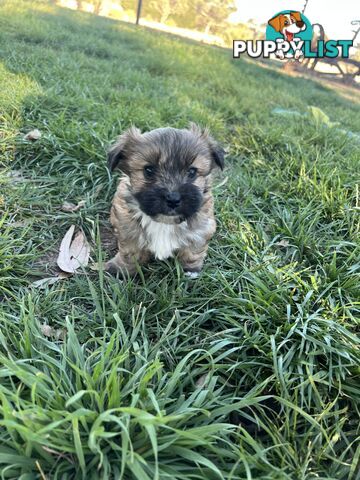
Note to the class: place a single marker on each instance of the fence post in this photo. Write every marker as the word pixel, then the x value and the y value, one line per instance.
pixel 138 13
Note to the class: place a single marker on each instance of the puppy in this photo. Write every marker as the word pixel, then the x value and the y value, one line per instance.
pixel 163 206
pixel 288 25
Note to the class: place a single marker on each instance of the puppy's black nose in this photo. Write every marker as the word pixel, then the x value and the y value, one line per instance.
pixel 300 24
pixel 173 199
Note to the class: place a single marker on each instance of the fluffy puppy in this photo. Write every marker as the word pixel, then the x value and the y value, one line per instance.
pixel 163 206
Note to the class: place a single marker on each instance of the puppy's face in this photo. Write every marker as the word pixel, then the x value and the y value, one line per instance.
pixel 169 169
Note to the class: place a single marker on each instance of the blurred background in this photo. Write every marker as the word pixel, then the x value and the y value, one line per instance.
pixel 221 21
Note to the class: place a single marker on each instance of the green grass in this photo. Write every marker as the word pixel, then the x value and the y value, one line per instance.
pixel 249 372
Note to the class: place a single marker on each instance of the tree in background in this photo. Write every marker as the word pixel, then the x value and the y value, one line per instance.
pixel 210 15
pixel 163 9
pixel 160 10
pixel 201 15
pixel 97 5
pixel 204 15
pixel 131 4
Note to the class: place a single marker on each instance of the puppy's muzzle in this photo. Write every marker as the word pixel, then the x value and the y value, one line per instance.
pixel 173 199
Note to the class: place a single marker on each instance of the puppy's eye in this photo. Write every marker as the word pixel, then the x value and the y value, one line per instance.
pixel 149 171
pixel 286 22
pixel 192 172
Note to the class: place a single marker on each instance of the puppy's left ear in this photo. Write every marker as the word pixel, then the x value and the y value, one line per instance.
pixel 118 154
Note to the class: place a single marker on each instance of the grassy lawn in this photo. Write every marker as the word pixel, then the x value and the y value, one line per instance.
pixel 250 371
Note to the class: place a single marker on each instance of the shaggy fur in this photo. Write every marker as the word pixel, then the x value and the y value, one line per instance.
pixel 163 205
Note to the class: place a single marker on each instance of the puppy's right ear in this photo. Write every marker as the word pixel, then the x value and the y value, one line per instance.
pixel 120 150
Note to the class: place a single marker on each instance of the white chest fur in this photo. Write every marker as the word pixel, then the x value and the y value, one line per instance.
pixel 162 239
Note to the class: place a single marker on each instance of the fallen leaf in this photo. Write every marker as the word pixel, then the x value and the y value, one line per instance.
pixel 95 267
pixel 284 111
pixel 60 334
pixel 200 382
pixel 46 330
pixel 19 223
pixel 282 243
pixel 320 117
pixel 33 135
pixel 15 176
pixel 74 252
pixel 71 207
pixel 45 282
pixel 68 207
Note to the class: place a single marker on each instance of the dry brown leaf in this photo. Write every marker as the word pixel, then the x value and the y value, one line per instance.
pixel 15 176
pixel 200 382
pixel 74 252
pixel 60 334
pixel 45 282
pixel 48 331
pixel 282 243
pixel 95 267
pixel 71 207
pixel 19 223
pixel 68 207
pixel 33 135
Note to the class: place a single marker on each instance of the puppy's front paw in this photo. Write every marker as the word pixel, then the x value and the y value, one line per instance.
pixel 280 54
pixel 192 274
pixel 114 268
pixel 111 267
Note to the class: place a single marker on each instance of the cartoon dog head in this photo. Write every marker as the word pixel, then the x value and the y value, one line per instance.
pixel 288 24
